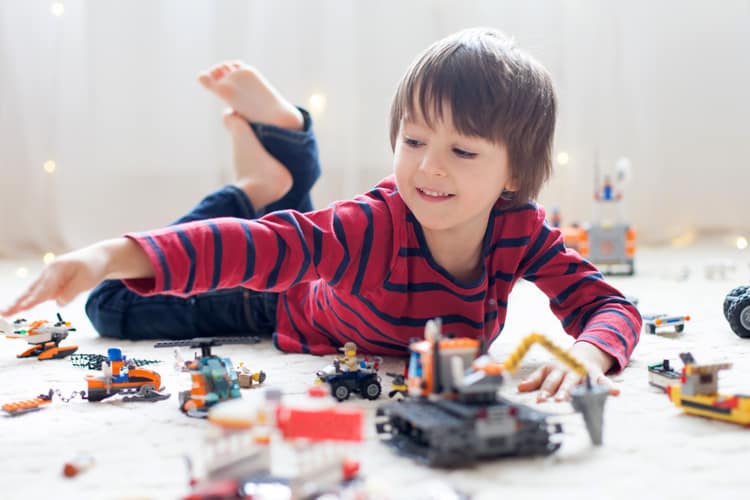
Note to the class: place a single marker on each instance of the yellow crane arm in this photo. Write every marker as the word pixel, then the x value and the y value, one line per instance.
pixel 511 364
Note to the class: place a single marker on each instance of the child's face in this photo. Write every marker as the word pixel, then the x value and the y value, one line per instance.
pixel 449 181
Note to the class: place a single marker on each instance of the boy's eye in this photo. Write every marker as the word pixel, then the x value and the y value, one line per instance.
pixel 463 154
pixel 412 142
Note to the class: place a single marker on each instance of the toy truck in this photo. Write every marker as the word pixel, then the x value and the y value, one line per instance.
pixel 737 310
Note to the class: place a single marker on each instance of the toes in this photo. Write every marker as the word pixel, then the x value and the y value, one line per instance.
pixel 216 73
pixel 205 80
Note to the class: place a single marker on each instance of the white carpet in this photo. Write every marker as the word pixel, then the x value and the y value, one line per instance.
pixel 650 448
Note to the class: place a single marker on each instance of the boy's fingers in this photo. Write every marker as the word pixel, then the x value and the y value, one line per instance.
pixel 563 392
pixel 614 390
pixel 533 381
pixel 550 385
pixel 17 304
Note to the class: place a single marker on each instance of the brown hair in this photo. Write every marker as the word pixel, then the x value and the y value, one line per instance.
pixel 493 91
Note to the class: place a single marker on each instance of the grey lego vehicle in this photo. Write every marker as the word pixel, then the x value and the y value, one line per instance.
pixel 453 417
pixel 737 310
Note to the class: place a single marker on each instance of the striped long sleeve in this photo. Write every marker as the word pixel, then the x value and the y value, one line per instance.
pixel 589 308
pixel 361 271
pixel 273 253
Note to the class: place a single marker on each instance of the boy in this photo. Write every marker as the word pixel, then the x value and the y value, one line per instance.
pixel 447 235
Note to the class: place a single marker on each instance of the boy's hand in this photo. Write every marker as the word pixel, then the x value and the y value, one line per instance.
pixel 553 380
pixel 75 272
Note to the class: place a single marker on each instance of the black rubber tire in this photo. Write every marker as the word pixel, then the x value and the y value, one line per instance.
pixel 650 329
pixel 732 296
pixel 371 390
pixel 340 391
pixel 679 328
pixel 734 315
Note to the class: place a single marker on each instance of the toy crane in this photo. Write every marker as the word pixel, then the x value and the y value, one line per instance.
pixel 588 399
pixel 453 414
pixel 44 337
pixel 214 378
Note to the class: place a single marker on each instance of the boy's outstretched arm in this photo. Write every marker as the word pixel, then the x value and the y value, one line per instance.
pixel 605 325
pixel 81 270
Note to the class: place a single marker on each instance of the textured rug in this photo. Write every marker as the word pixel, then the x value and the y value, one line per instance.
pixel 651 449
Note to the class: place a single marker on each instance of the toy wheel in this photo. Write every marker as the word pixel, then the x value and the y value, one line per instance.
pixel 631 268
pixel 679 328
pixel 340 391
pixel 739 316
pixel 183 397
pixel 732 296
pixel 651 328
pixel 95 395
pixel 371 390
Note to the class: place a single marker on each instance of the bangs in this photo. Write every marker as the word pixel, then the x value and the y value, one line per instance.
pixel 489 89
pixel 454 83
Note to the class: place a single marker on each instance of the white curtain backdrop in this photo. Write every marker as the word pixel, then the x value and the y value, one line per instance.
pixel 107 91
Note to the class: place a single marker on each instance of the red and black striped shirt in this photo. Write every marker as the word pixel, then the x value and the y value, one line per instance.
pixel 360 270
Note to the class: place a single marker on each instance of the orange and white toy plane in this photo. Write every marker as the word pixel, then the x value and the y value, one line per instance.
pixel 44 337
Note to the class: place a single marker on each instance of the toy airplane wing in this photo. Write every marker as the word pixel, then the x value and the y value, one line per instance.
pixel 16 335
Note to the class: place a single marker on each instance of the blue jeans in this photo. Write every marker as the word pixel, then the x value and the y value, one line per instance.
pixel 117 312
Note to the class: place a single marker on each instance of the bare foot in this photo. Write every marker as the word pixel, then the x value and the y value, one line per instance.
pixel 263 178
pixel 249 94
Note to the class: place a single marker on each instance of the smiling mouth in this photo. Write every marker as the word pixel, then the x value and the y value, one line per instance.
pixel 434 194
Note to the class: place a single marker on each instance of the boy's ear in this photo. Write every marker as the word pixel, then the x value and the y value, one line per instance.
pixel 511 185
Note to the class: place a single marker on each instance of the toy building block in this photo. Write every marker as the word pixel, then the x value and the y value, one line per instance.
pixel 248 379
pixel 662 375
pixel 737 310
pixel 608 244
pixel 17 408
pixel 453 414
pixel 238 458
pixel 214 378
pixel 398 385
pixel 657 323
pixel 44 337
pixel 697 393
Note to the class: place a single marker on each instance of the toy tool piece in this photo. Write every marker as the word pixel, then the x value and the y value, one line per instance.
pixel 20 407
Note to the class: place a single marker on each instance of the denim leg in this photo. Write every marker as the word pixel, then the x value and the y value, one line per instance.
pixel 297 150
pixel 118 312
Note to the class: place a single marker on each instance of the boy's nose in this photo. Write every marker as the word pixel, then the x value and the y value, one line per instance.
pixel 432 165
